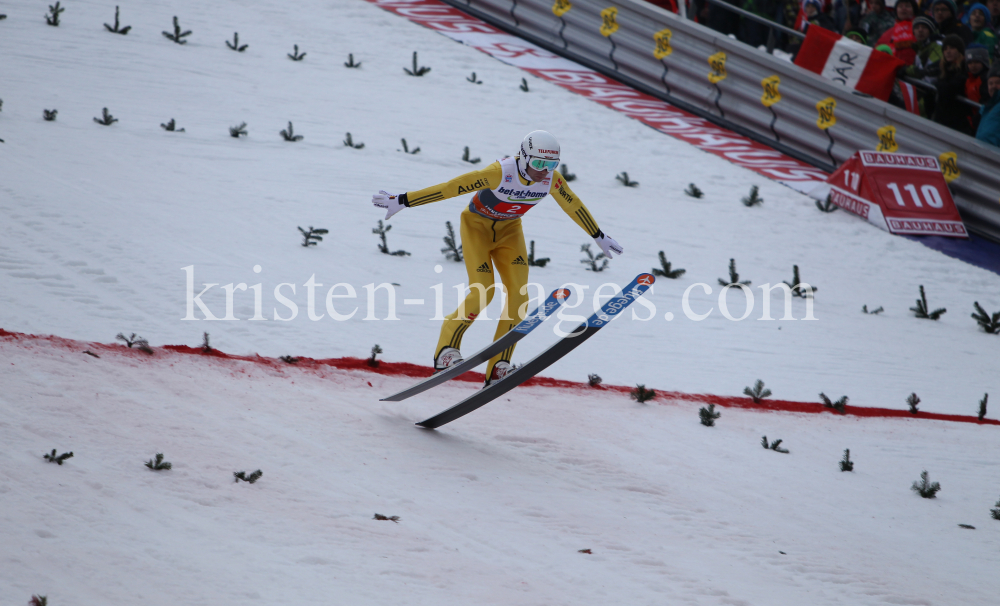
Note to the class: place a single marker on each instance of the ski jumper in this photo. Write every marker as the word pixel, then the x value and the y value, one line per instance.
pixel 492 241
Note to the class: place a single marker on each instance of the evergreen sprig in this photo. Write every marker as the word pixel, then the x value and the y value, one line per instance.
pixel 594 380
pixel 379 516
pixel 990 324
pixel 452 250
pixel 754 198
pixel 106 118
pixel 693 191
pixel 775 446
pixel 466 158
pixel 237 131
pixel 846 464
pixel 473 79
pixel 36 600
pixel 115 30
pixel 623 177
pixel 734 278
pixel 49 114
pixel 592 260
pixel 382 230
pixel 417 70
pixel 406 149
pixel 921 310
pixel 171 126
pixel 564 171
pixel 349 142
pixel 250 479
pixel 798 288
pixel 158 464
pixel 532 260
pixel 52 457
pixel 137 342
pixel 758 393
pixel 827 205
pixel 667 272
pixel 641 394
pixel 708 415
pixel 350 62
pixel 289 133
pixel 295 55
pixel 289 360
pixel 524 85
pixel 235 44
pixel 982 406
pixel 840 405
pixel 206 347
pixel 996 512
pixel 912 400
pixel 311 236
pixel 53 17
pixel 925 487
pixel 864 308
pixel 376 350
pixel 178 36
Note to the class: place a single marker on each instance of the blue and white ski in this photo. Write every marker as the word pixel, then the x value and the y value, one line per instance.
pixel 608 312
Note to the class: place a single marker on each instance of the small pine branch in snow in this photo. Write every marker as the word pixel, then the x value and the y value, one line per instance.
pixel 289 360
pixel 840 405
pixel 592 260
pixel 236 131
pixel 235 44
pixel 534 262
pixel 289 134
pixel 92 354
pixel 990 324
pixel 106 118
pixel 827 205
pixel 379 516
pixel 417 70
pixel 466 158
pixel 921 310
pixel 594 380
pixel 53 17
pixel 311 236
pixel 52 457
pixel 376 350
pixel 913 399
pixel 49 114
pixel 846 464
pixel 982 406
pixel 115 30
pixel 775 445
pixel 171 126
pixel 623 177
pixel 754 198
pixel 758 393
pixel 205 346
pixel 524 85
pixel 693 191
pixel 350 62
pixel 667 272
pixel 349 142
pixel 925 487
pixel 641 394
pixel 36 600
pixel 406 149
pixel 708 415
pixel 382 230
pixel 874 312
pixel 564 171
pixel 996 512
pixel 295 55
pixel 798 288
pixel 250 479
pixel 158 464
pixel 452 250
pixel 734 278
pixel 177 36
pixel 473 79
pixel 134 341
pixel 587 551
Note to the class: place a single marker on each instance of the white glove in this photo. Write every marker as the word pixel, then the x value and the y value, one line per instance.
pixel 608 244
pixel 384 199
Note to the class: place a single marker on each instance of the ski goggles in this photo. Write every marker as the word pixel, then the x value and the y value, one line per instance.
pixel 542 163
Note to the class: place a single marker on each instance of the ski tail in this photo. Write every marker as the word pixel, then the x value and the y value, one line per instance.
pixel 525 326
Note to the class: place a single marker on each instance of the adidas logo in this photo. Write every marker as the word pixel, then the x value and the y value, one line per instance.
pixel 518 261
pixel 485 268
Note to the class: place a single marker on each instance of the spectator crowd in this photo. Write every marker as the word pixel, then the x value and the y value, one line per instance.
pixel 951 47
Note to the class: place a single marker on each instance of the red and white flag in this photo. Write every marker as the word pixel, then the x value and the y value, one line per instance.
pixel 844 61
pixel 910 99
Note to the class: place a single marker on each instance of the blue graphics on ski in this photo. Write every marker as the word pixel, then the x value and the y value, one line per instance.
pixel 608 312
pixel 546 309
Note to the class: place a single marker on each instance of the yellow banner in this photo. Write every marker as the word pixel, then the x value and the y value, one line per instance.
pixel 662 39
pixel 771 93
pixel 949 166
pixel 561 7
pixel 609 25
pixel 826 108
pixel 718 64
pixel 887 139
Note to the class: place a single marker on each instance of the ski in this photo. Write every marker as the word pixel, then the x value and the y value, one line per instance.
pixel 608 312
pixel 546 309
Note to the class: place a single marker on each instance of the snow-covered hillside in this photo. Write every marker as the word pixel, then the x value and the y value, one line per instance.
pixel 97 226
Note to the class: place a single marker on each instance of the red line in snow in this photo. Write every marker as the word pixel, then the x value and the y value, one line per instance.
pixel 405 369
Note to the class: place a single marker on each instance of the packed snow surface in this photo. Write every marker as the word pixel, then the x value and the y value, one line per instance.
pixel 101 227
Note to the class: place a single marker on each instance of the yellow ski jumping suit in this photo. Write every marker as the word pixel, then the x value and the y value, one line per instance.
pixel 492 239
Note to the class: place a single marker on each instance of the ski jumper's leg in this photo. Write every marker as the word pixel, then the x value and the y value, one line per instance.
pixel 510 259
pixel 477 243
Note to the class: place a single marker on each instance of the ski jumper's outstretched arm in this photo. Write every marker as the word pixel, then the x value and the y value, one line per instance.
pixel 484 178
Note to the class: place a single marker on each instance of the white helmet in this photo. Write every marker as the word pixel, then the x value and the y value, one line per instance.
pixel 540 150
